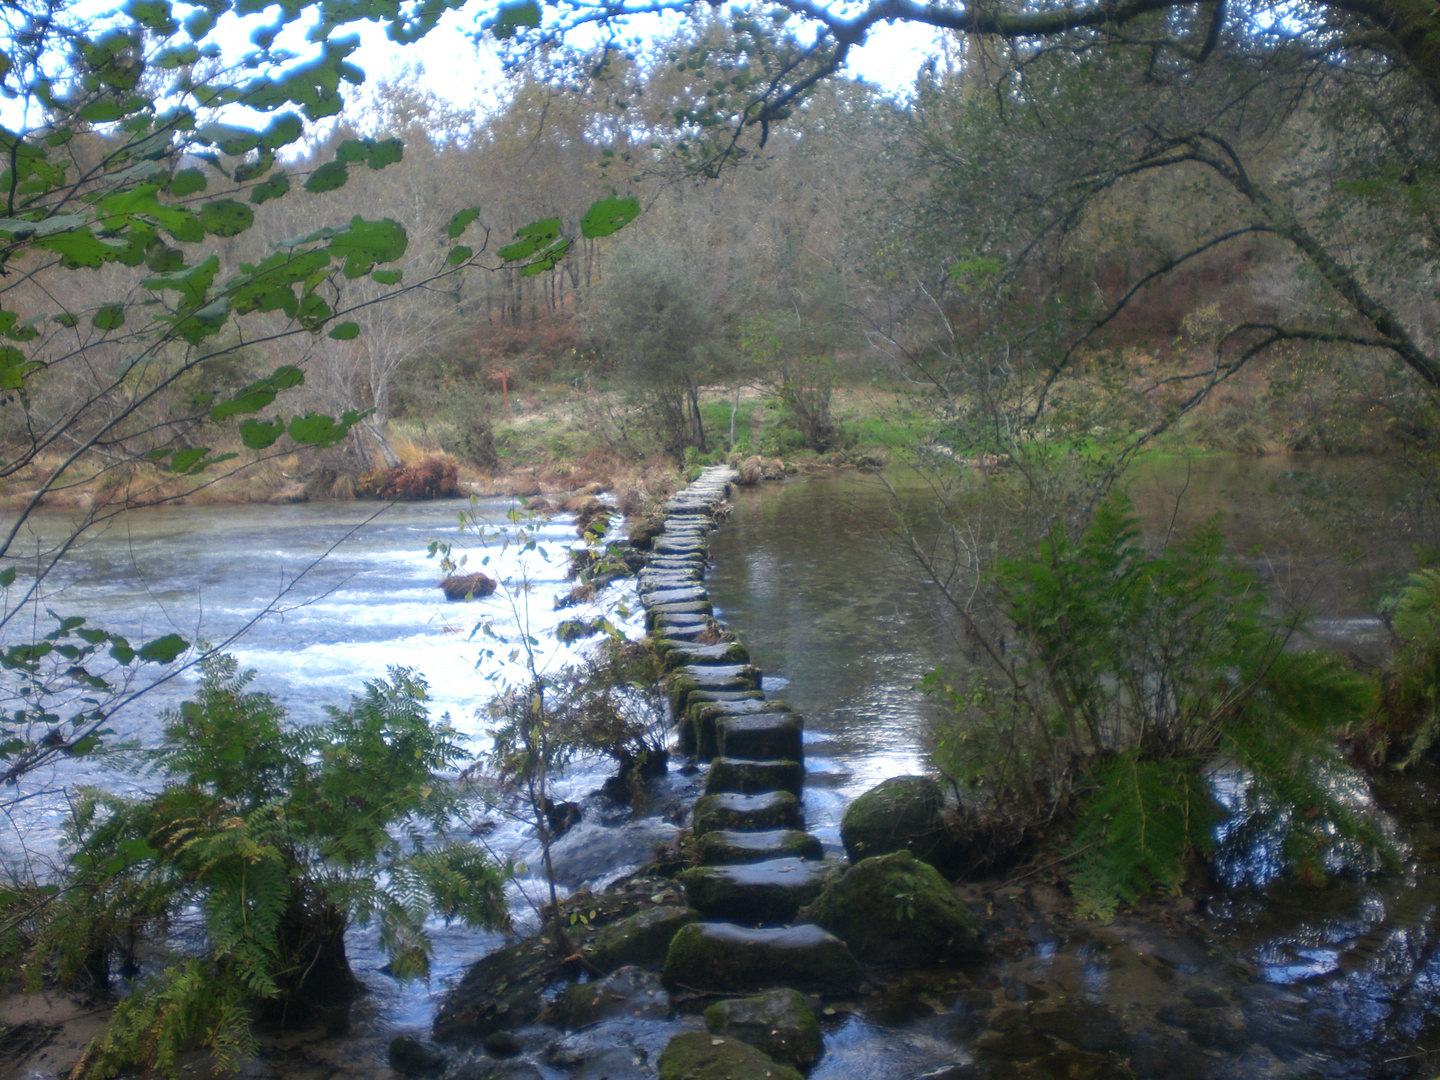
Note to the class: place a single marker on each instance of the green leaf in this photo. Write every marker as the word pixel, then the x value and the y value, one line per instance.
pixel 182 461
pixel 14 367
pixel 512 16
pixel 345 331
pixel 531 238
pixel 120 651
pixel 366 243
pixel 101 112
pixel 458 255
pixel 163 650
pixel 7 577
pixel 327 177
pixel 609 216
pixel 273 188
pixel 226 217
pixel 259 435
pixel 461 221
pixel 387 277
pixel 547 259
pixel 187 182
pixel 375 154
pixel 109 317
pixel 315 429
pixel 259 394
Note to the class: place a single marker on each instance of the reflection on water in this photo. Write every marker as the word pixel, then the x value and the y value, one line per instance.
pixel 1340 978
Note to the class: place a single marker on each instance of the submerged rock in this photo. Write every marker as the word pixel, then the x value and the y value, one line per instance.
pixel 778 1023
pixel 759 892
pixel 643 938
pixel 631 992
pixel 904 813
pixel 723 957
pixel 695 1055
pixel 732 810
pixel 896 910
pixel 410 1057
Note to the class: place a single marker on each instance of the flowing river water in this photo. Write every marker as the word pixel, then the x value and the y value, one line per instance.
pixel 1339 980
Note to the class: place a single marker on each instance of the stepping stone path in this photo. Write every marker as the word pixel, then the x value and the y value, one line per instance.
pixel 758 864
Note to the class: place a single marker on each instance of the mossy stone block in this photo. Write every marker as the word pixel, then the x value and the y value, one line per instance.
pixel 762 892
pixel 643 938
pixel 750 777
pixel 696 1055
pixel 731 810
pixel 761 735
pixel 778 1023
pixel 724 846
pixel 725 958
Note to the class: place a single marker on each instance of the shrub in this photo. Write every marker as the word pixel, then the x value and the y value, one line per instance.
pixel 1136 672
pixel 280 837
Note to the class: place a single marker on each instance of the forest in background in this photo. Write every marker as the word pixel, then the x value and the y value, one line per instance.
pixel 966 270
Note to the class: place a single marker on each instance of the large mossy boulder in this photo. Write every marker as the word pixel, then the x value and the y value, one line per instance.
pixel 778 1023
pixel 731 810
pixel 895 910
pixel 904 813
pixel 643 938
pixel 696 1055
pixel 716 957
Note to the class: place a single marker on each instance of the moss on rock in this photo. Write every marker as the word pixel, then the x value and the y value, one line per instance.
pixel 904 813
pixel 778 1023
pixel 731 810
pixel 696 1055
pixel 720 846
pixel 643 938
pixel 895 910
pixel 749 777
pixel 730 959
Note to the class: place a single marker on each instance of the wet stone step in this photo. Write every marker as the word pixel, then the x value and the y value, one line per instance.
pixel 678 653
pixel 721 846
pixel 675 545
pixel 723 958
pixel 683 681
pixel 760 736
pixel 734 812
pixel 754 893
pixel 750 777
pixel 684 575
pixel 692 594
pixel 654 611
pixel 704 716
pixel 686 633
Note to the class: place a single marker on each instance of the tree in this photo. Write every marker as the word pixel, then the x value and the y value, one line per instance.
pixel 137 336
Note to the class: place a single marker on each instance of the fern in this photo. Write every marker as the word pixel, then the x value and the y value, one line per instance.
pixel 1138 831
pixel 1136 669
pixel 281 837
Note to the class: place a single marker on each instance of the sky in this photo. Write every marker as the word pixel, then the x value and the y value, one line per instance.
pixel 472 79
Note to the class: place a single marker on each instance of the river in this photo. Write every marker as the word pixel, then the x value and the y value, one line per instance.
pixel 843 627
